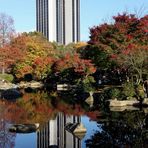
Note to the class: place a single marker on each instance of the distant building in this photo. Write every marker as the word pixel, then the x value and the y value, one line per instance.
pixel 59 20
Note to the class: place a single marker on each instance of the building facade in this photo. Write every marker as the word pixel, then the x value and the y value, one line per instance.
pixel 59 20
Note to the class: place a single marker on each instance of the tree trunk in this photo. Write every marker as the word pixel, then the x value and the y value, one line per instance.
pixel 3 70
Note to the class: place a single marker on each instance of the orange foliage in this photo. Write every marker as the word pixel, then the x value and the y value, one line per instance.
pixel 9 56
pixel 79 65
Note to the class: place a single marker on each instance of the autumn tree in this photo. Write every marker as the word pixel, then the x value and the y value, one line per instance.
pixel 112 40
pixel 8 57
pixel 135 59
pixel 62 50
pixel 37 58
pixel 72 67
pixel 6 29
pixel 116 36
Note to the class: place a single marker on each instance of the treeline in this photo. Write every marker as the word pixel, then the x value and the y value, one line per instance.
pixel 116 52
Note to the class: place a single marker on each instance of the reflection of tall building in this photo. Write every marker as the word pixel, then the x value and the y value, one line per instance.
pixel 59 20
pixel 54 133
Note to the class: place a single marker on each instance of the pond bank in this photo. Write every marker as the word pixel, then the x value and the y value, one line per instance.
pixel 7 85
pixel 121 103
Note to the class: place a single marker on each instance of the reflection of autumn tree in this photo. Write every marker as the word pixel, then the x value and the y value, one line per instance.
pixel 7 139
pixel 39 107
pixel 32 108
pixel 123 130
pixel 69 107
pixel 36 107
pixel 76 110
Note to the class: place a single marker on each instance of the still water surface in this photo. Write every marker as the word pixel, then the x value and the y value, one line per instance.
pixel 104 128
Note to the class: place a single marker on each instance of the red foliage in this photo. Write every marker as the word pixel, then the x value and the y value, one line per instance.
pixel 42 62
pixel 9 55
pixel 113 56
pixel 80 66
pixel 125 28
pixel 126 35
pixel 93 115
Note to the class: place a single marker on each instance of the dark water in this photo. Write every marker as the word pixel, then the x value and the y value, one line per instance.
pixel 115 128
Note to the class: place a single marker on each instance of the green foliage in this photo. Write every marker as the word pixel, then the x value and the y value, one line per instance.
pixel 128 90
pixel 87 83
pixel 7 77
pixel 98 56
pixel 62 50
pixel 139 91
pixel 115 93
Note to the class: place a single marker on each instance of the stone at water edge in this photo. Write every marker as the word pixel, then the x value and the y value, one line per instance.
pixel 24 128
pixel 80 129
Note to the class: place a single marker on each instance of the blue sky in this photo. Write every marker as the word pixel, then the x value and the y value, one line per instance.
pixel 93 12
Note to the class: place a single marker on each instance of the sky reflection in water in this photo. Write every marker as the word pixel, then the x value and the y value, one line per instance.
pixel 117 129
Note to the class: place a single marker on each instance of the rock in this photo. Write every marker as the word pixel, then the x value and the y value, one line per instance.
pixel 24 128
pixel 122 108
pixel 5 86
pixel 10 94
pixel 80 129
pixel 71 127
pixel 122 103
pixel 77 129
pixel 32 84
pixel 90 99
pixel 145 101
pixel 62 87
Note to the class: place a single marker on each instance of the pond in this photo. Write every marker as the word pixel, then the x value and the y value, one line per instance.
pixel 65 122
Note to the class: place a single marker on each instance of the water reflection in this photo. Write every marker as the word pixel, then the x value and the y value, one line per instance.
pixel 121 129
pixel 51 112
pixel 55 135
pixel 116 128
pixel 7 139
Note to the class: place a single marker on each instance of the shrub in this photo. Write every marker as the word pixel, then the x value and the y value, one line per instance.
pixel 139 91
pixel 115 93
pixel 87 83
pixel 128 90
pixel 7 77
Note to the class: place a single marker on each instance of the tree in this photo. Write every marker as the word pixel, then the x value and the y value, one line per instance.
pixel 99 57
pixel 72 67
pixel 135 58
pixel 126 34
pixel 114 37
pixel 9 56
pixel 6 29
pixel 38 55
pixel 81 66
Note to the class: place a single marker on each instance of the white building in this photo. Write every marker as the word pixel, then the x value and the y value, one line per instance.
pixel 59 20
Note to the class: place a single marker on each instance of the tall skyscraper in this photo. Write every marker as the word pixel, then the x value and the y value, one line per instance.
pixel 59 20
